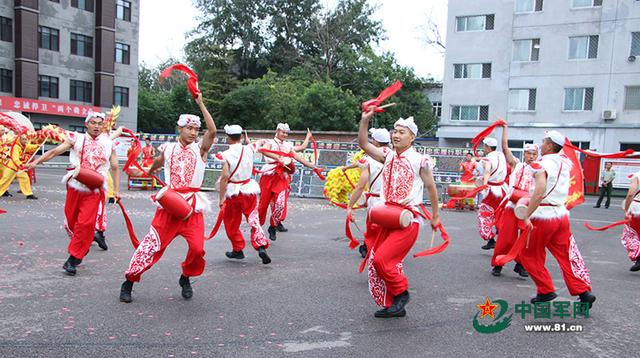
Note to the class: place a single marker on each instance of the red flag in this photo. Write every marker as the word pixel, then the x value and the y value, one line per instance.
pixel 383 96
pixel 576 190
pixel 192 81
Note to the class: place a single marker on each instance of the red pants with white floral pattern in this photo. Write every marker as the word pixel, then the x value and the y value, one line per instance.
pixel 165 228
pixel 386 274
pixel 555 235
pixel 235 207
pixel 631 238
pixel 273 192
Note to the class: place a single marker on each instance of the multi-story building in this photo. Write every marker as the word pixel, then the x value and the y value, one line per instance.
pixel 61 58
pixel 565 64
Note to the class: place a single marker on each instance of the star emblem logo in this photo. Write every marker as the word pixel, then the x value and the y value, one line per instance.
pixel 487 308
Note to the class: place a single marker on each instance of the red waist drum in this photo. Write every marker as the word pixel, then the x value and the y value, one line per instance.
pixel 90 178
pixel 391 216
pixel 174 203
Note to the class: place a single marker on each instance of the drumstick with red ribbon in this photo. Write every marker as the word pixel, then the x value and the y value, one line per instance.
pixel 192 80
pixel 383 96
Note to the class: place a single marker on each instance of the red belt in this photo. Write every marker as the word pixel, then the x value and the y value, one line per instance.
pixel 242 182
pixel 186 190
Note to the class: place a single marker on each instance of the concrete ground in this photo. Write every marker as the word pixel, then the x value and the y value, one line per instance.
pixel 311 301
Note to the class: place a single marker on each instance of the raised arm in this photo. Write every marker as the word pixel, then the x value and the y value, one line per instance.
pixel 511 160
pixel 363 137
pixel 305 144
pixel 427 178
pixel 303 161
pixel 50 154
pixel 117 133
pixel 210 134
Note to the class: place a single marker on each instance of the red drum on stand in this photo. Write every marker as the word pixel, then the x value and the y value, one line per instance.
pixel 174 203
pixel 391 216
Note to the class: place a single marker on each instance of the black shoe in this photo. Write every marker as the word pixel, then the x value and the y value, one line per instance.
pixel 597 207
pixel 7 194
pixel 262 252
pixel 384 313
pixel 397 307
pixel 187 291
pixel 588 297
pixel 31 197
pixel 636 266
pixel 99 238
pixel 235 254
pixel 125 291
pixel 281 228
pixel 272 233
pixel 70 265
pixel 544 297
pixel 497 271
pixel 363 250
pixel 490 244
pixel 606 207
pixel 520 270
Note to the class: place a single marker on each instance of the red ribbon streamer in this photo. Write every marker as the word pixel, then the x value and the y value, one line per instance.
pixel 485 133
pixel 607 227
pixel 347 230
pixel 443 234
pixel 384 95
pixel 130 229
pixel 2 211
pixel 216 227
pixel 520 243
pixel 589 153
pixel 470 194
pixel 192 81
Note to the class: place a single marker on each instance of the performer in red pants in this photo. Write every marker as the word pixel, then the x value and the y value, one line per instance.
pixel 520 184
pixel 549 218
pixel 91 151
pixel 184 163
pixel 631 232
pixel 370 177
pixel 495 173
pixel 404 176
pixel 239 195
pixel 276 177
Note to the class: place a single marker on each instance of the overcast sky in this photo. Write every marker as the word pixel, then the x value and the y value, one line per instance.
pixel 164 23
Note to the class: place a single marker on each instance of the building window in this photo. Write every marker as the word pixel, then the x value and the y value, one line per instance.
pixel 82 4
pixel 475 23
pixel 122 53
pixel 633 146
pixel 47 86
pixel 80 91
pixel 469 113
pixel 79 129
pixel 632 98
pixel 635 44
pixel 6 29
pixel 123 10
pixel 6 80
pixel 583 47
pixel 472 70
pixel 578 99
pixel 522 99
pixel 526 50
pixel 437 109
pixel 38 125
pixel 585 3
pixel 48 38
pixel 81 45
pixel 121 96
pixel 523 6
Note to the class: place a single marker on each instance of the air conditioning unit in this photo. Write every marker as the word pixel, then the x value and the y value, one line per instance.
pixel 609 114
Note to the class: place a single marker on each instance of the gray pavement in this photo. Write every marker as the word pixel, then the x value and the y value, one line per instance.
pixel 310 301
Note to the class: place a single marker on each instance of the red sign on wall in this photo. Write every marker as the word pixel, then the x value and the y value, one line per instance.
pixel 37 106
